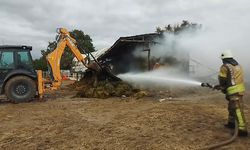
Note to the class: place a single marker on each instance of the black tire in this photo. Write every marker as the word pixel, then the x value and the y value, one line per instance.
pixel 20 89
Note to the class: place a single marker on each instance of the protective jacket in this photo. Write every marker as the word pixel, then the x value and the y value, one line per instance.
pixel 231 77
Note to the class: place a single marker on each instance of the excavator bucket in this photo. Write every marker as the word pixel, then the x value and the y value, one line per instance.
pixel 109 75
pixel 100 71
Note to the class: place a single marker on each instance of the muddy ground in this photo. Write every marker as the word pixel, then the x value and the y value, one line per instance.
pixel 186 119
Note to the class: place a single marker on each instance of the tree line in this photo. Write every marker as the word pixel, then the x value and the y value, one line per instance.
pixel 179 28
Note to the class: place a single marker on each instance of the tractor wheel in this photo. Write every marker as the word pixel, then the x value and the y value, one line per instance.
pixel 20 89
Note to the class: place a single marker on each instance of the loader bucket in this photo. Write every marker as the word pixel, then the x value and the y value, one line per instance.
pixel 101 71
pixel 109 75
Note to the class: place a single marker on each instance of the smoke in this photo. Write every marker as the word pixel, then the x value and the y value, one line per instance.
pixel 203 47
pixel 206 45
pixel 225 25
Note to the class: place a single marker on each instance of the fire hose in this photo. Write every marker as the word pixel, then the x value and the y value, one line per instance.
pixel 223 143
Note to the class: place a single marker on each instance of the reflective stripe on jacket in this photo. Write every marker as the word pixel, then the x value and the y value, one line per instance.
pixel 232 79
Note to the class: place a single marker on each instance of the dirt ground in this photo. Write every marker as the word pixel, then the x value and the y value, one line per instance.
pixel 182 122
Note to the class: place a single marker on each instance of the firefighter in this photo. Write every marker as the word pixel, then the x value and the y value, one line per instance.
pixel 231 83
pixel 156 66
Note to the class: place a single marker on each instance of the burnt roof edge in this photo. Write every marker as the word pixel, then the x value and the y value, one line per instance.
pixel 124 38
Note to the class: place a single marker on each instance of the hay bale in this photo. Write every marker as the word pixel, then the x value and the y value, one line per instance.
pixel 104 89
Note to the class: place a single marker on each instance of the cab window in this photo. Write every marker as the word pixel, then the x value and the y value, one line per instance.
pixel 23 58
pixel 7 60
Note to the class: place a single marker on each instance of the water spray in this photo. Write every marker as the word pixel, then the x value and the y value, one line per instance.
pixel 148 79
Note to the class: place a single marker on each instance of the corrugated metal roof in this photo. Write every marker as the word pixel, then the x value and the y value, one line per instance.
pixel 142 38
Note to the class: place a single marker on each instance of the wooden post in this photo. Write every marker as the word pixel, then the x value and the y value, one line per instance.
pixel 149 54
pixel 149 61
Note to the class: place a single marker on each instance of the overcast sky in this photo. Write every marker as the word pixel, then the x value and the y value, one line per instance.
pixel 34 22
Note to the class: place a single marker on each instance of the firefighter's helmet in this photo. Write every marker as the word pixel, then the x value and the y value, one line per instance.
pixel 226 54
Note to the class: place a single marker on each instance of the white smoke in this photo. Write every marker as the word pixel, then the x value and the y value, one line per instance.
pixel 204 47
pixel 225 25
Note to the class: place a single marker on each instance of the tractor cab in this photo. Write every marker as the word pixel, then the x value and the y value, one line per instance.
pixel 17 73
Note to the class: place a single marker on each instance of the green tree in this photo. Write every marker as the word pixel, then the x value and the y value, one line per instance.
pixel 40 64
pixel 179 28
pixel 84 42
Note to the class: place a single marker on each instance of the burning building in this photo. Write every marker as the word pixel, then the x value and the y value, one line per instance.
pixel 142 53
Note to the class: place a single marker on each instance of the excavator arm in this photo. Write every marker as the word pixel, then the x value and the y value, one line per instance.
pixel 54 58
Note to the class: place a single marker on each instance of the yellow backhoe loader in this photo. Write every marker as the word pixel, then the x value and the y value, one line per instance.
pixel 20 82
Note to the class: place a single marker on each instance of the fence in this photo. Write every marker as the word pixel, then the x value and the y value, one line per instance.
pixel 66 75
